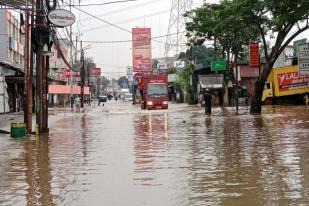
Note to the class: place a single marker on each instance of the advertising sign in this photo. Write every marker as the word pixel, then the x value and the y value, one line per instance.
pixel 67 74
pixel 303 59
pixel 218 66
pixel 162 66
pixel 179 64
pixel 291 80
pixel 254 54
pixel 61 17
pixel 95 72
pixel 141 49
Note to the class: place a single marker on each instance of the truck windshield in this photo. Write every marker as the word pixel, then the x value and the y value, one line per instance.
pixel 156 90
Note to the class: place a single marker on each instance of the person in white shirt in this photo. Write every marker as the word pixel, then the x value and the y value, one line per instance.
pixel 77 103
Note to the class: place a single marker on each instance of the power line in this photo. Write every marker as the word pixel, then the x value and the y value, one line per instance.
pixel 128 20
pixel 123 29
pixel 101 4
pixel 111 24
pixel 122 10
pixel 130 40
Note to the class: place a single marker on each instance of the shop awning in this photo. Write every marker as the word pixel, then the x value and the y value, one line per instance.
pixel 211 81
pixel 66 89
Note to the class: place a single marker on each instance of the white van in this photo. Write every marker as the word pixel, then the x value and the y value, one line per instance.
pixel 128 97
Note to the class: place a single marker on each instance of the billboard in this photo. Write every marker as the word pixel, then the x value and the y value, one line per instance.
pixel 254 54
pixel 291 81
pixel 303 59
pixel 141 50
pixel 95 72
pixel 66 74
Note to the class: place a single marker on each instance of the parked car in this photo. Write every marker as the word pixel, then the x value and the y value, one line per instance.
pixel 102 98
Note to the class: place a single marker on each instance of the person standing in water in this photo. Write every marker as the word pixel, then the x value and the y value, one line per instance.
pixel 207 99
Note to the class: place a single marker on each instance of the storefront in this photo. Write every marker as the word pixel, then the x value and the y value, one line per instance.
pixel 213 82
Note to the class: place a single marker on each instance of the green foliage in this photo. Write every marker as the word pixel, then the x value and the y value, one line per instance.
pixel 184 81
pixel 171 70
pixel 223 23
pixel 234 23
pixel 199 54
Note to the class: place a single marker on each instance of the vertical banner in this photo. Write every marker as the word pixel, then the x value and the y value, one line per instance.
pixel 303 59
pixel 254 54
pixel 141 50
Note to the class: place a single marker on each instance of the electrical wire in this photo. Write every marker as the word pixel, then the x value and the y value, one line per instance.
pixel 101 4
pixel 130 40
pixel 122 10
pixel 15 6
pixel 111 24
pixel 128 20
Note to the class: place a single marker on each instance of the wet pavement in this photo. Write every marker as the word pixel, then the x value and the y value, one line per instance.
pixel 121 156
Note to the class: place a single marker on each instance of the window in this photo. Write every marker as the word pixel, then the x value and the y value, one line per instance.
pixel 156 90
pixel 267 85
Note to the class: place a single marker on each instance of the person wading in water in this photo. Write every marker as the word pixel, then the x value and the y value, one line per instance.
pixel 207 99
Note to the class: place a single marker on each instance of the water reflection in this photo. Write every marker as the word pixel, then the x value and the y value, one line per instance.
pixel 169 158
pixel 150 144
pixel 28 174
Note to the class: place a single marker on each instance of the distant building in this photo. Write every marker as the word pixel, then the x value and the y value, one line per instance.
pixel 168 61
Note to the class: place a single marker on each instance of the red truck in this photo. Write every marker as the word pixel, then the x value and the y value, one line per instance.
pixel 155 94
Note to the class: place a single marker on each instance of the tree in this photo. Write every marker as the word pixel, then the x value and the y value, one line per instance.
pixel 184 81
pixel 200 54
pixel 276 19
pixel 235 23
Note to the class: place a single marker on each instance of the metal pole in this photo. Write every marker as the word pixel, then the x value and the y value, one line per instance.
pixel 82 76
pixel 31 66
pixel 28 116
pixel 236 69
pixel 71 61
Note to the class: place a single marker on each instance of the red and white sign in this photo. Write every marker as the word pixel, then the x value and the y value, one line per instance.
pixel 95 72
pixel 292 80
pixel 141 50
pixel 66 74
pixel 254 54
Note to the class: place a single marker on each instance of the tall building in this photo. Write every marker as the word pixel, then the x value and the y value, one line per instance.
pixel 12 61
pixel 12 39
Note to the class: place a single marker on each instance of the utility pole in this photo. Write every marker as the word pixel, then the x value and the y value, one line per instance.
pixel 41 35
pixel 71 61
pixel 236 71
pixel 82 76
pixel 28 83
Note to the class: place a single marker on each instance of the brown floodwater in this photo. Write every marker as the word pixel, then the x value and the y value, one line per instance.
pixel 119 155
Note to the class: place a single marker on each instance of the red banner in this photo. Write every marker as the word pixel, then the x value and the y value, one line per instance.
pixel 95 72
pixel 291 80
pixel 141 50
pixel 67 74
pixel 254 54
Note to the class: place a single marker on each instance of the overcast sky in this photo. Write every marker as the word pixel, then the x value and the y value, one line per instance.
pixel 113 58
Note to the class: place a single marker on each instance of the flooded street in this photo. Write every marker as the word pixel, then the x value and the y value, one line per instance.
pixel 119 155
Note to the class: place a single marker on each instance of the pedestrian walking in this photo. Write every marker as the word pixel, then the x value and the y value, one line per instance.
pixel 72 102
pixel 77 104
pixel 207 99
pixel 140 86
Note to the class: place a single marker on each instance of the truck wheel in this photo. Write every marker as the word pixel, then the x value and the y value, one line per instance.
pixel 268 101
pixel 143 106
